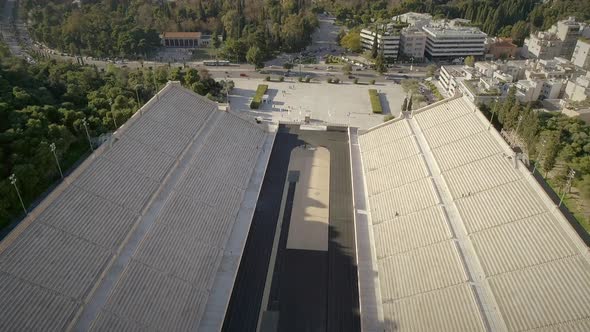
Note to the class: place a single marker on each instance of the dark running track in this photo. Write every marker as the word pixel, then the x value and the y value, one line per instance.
pixel 310 290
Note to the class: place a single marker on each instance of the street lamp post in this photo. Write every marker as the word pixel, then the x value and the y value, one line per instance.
pixel 491 119
pixel 539 155
pixel 12 179
pixel 570 177
pixel 113 115
pixel 516 131
pixel 227 88
pixel 53 148
pixel 518 125
pixel 87 134
pixel 137 95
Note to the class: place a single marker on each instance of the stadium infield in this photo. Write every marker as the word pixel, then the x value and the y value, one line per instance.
pixel 281 288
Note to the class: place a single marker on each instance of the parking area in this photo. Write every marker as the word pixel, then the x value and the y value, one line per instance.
pixel 344 103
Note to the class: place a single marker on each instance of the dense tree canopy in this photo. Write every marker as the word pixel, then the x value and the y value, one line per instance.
pixel 555 142
pixel 46 103
pixel 131 28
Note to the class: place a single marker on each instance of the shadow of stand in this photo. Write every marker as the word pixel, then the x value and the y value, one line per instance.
pixel 384 104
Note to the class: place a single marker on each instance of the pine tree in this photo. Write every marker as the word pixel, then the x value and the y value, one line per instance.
pixel 405 104
pixel 375 49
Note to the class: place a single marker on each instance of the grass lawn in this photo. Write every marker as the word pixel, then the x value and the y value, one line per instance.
pixel 375 101
pixel 205 53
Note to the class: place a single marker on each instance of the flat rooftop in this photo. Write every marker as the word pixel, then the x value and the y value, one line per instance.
pixel 188 35
pixel 134 238
pixel 453 31
pixel 465 239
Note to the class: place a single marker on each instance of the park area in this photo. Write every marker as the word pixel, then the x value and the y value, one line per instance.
pixel 344 103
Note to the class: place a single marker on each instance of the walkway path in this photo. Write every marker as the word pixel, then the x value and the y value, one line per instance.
pixel 471 262
pixel 369 289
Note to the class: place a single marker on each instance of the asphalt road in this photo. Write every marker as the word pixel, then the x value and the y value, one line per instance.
pixel 324 42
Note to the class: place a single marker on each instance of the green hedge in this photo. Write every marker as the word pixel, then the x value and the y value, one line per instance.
pixel 260 91
pixel 375 101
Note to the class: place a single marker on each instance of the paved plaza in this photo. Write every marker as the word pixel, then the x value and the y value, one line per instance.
pixel 343 103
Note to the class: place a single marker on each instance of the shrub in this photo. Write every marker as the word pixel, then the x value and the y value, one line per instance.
pixel 336 81
pixel 300 79
pixel 329 80
pixel 307 79
pixel 375 101
pixel 372 82
pixel 281 78
pixel 267 78
pixel 388 117
pixel 356 81
pixel 260 91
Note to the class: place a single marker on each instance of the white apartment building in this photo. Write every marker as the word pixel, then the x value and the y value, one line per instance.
pixel 447 43
pixel 578 89
pixel 559 41
pixel 389 41
pixel 532 90
pixel 542 45
pixel 451 77
pixel 413 42
pixel 417 20
pixel 581 54
pixel 568 31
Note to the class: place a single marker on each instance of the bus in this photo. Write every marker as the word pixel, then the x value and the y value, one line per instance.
pixel 216 63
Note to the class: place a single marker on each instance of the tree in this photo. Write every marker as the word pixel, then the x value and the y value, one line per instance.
pixel 519 32
pixel 191 77
pixel 584 186
pixel 405 104
pixel 409 107
pixel 380 63
pixel 347 68
pixel 235 50
pixel 551 150
pixel 255 57
pixel 431 70
pixel 469 61
pixel 215 39
pixel 352 41
pixel 375 46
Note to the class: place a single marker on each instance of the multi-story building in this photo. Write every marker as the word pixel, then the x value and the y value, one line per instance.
pixel 532 90
pixel 413 42
pixel 451 76
pixel 500 47
pixel 388 41
pixel 578 89
pixel 447 43
pixel 417 20
pixel 185 39
pixel 581 55
pixel 568 31
pixel 542 45
pixel 559 41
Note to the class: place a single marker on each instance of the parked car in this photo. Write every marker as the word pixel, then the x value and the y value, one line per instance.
pixel 243 75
